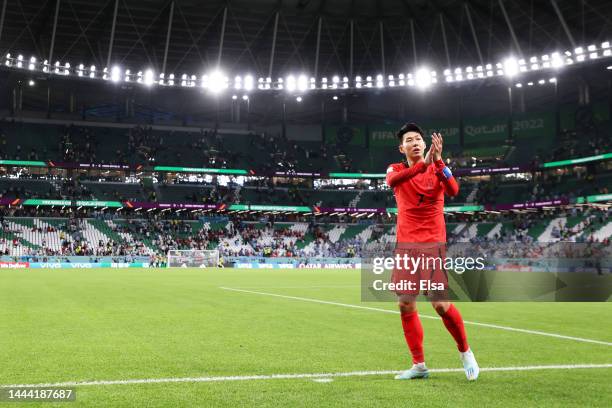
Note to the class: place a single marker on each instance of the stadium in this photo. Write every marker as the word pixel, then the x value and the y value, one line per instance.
pixel 195 198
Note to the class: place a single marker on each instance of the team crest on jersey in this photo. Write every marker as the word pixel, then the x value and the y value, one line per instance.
pixel 430 183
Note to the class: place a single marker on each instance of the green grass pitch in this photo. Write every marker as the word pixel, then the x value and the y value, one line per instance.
pixel 86 325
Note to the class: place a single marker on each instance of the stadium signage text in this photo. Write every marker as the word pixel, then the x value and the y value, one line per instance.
pixel 329 266
pixel 485 130
pixel 406 285
pixel 200 170
pixel 14 265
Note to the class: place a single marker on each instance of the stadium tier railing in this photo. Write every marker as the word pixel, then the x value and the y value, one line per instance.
pixel 298 173
pixel 594 198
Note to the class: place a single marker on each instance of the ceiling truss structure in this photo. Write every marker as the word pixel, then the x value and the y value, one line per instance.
pixel 315 37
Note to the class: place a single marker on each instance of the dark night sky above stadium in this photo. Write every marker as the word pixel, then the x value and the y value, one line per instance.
pixel 84 30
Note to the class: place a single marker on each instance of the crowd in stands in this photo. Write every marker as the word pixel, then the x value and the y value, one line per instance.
pixel 162 231
pixel 587 141
pixel 76 145
pixel 519 224
pixel 260 150
pixel 562 183
pixel 207 148
pixel 72 242
pixel 238 237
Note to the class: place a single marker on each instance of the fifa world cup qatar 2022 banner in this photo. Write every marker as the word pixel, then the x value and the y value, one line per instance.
pixel 538 126
pixel 385 135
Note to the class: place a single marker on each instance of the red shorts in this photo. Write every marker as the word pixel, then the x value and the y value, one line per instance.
pixel 420 269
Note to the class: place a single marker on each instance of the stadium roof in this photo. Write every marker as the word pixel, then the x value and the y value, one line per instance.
pixel 445 33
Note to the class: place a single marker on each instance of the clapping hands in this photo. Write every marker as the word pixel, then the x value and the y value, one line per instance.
pixel 435 150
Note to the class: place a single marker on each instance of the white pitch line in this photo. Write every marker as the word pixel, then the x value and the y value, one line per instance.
pixel 376 309
pixel 295 376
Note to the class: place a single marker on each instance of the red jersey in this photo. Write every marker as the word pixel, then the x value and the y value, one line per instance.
pixel 419 193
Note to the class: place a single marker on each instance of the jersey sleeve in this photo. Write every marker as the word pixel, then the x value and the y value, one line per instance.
pixel 448 181
pixel 395 175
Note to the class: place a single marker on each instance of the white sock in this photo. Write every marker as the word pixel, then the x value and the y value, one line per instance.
pixel 420 366
pixel 466 353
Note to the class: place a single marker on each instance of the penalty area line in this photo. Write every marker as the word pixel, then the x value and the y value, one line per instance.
pixel 296 376
pixel 377 309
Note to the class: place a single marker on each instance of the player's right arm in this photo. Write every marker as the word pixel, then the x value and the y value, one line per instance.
pixel 396 175
pixel 451 188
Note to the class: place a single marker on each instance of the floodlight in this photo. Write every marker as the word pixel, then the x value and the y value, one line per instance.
pixel 511 67
pixel 217 81
pixel 115 74
pixel 302 83
pixel 423 78
pixel 555 60
pixel 248 83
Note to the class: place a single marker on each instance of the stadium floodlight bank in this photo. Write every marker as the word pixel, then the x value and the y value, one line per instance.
pixel 216 81
pixel 193 258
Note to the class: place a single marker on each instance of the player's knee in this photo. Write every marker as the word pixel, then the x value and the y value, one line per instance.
pixel 407 307
pixel 440 307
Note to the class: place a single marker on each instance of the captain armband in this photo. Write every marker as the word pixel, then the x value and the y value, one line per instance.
pixel 447 173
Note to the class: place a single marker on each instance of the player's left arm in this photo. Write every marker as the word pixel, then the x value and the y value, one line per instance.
pixel 444 174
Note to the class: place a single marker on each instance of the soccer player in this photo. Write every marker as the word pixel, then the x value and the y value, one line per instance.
pixel 419 184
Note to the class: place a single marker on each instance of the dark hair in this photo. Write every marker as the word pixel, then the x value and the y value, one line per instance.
pixel 408 127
